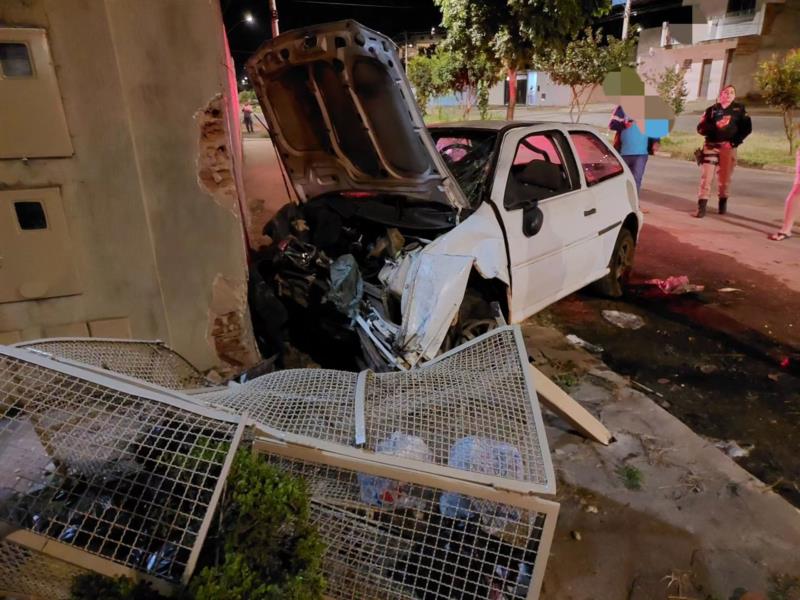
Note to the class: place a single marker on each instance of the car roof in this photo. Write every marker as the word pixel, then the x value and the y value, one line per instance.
pixel 486 125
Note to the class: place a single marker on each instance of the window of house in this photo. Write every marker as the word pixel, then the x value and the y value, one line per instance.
pixel 539 171
pixel 741 6
pixel 597 160
pixel 30 215
pixel 687 64
pixel 15 61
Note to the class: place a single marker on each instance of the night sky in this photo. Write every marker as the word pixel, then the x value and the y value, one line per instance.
pixel 391 17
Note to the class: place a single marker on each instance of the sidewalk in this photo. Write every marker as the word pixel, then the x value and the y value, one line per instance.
pixel 698 518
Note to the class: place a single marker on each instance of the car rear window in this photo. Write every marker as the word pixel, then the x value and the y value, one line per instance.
pixel 597 161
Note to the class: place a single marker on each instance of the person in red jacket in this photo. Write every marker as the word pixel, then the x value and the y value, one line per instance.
pixel 724 125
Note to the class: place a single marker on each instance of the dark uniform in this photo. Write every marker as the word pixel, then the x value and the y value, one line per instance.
pixel 724 130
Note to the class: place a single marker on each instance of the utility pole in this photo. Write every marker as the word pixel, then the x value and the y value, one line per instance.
pixel 273 18
pixel 405 50
pixel 625 19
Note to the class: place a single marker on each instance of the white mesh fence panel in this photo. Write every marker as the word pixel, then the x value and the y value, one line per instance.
pixel 111 470
pixel 318 403
pixel 24 572
pixel 394 536
pixel 472 409
pixel 150 361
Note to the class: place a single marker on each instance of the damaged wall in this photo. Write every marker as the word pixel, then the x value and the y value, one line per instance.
pixel 148 242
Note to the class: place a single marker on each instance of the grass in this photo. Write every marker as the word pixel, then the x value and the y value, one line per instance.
pixel 758 150
pixel 447 114
pixel 631 477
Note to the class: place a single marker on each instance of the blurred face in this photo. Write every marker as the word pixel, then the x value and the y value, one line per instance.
pixel 726 96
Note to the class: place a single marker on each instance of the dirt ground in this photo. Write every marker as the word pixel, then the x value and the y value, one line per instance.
pixel 661 513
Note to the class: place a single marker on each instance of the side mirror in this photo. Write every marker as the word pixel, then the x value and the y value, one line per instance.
pixel 532 220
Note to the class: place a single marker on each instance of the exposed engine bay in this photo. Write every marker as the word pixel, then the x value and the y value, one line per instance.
pixel 332 282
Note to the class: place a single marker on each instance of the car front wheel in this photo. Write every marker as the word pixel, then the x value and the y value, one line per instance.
pixel 620 267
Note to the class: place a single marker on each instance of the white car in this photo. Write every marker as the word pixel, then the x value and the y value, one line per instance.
pixel 403 235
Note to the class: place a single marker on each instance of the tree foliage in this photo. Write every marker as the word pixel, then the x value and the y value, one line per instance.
pixel 671 86
pixel 446 71
pixel 779 80
pixel 504 34
pixel 583 64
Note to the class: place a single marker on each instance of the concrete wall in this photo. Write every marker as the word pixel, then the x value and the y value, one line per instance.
pixel 780 33
pixel 149 243
pixel 777 27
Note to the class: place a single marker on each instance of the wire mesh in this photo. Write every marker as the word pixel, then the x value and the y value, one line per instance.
pixel 150 361
pixel 91 463
pixel 472 409
pixel 29 573
pixel 386 538
pixel 318 403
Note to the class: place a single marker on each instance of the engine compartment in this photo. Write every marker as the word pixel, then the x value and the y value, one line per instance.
pixel 331 282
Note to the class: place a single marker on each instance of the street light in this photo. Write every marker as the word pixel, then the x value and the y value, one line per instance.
pixel 246 18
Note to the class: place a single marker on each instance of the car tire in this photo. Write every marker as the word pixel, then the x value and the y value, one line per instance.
pixel 620 267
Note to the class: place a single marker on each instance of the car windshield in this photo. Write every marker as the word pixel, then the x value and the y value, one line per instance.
pixel 467 154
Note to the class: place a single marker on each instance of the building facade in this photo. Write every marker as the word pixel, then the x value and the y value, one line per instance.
pixel 718 42
pixel 119 213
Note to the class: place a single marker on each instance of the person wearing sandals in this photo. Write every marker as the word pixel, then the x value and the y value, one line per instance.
pixel 792 210
pixel 724 125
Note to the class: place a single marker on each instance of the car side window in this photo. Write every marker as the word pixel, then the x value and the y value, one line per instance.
pixel 537 172
pixel 597 161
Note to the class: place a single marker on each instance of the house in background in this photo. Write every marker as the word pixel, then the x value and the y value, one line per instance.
pixel 718 42
pixel 119 212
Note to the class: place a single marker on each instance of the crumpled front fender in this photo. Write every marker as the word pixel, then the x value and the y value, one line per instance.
pixel 436 281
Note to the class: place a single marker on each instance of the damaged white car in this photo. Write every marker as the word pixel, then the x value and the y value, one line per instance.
pixel 404 236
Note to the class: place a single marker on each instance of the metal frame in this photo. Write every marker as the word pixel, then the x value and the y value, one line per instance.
pixel 391 467
pixel 47 374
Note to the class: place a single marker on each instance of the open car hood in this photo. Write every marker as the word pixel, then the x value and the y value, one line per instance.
pixel 343 117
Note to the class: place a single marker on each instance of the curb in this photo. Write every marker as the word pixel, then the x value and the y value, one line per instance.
pixel 745 164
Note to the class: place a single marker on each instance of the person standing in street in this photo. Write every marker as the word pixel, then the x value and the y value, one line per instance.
pixel 725 125
pixel 633 144
pixel 792 210
pixel 247 113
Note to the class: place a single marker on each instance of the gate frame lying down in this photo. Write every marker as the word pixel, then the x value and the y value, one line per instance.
pixel 84 559
pixel 271 442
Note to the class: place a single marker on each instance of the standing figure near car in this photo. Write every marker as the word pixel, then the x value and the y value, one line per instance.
pixel 633 144
pixel 724 125
pixel 247 115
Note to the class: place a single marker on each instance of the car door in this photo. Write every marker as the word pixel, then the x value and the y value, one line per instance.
pixel 604 178
pixel 547 215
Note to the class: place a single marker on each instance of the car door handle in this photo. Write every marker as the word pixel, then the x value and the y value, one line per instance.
pixel 590 212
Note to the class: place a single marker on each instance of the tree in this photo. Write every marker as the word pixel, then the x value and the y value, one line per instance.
pixel 779 81
pixel 584 63
pixel 671 86
pixel 446 71
pixel 420 74
pixel 503 34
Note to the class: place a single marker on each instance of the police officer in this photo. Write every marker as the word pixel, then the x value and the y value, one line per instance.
pixel 725 125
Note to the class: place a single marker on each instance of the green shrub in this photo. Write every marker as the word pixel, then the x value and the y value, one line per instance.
pixel 271 551
pixel 92 586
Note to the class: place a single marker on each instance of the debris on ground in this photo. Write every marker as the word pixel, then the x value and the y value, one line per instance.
pixel 733 449
pixel 581 343
pixel 728 290
pixel 708 369
pixel 675 285
pixel 623 320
